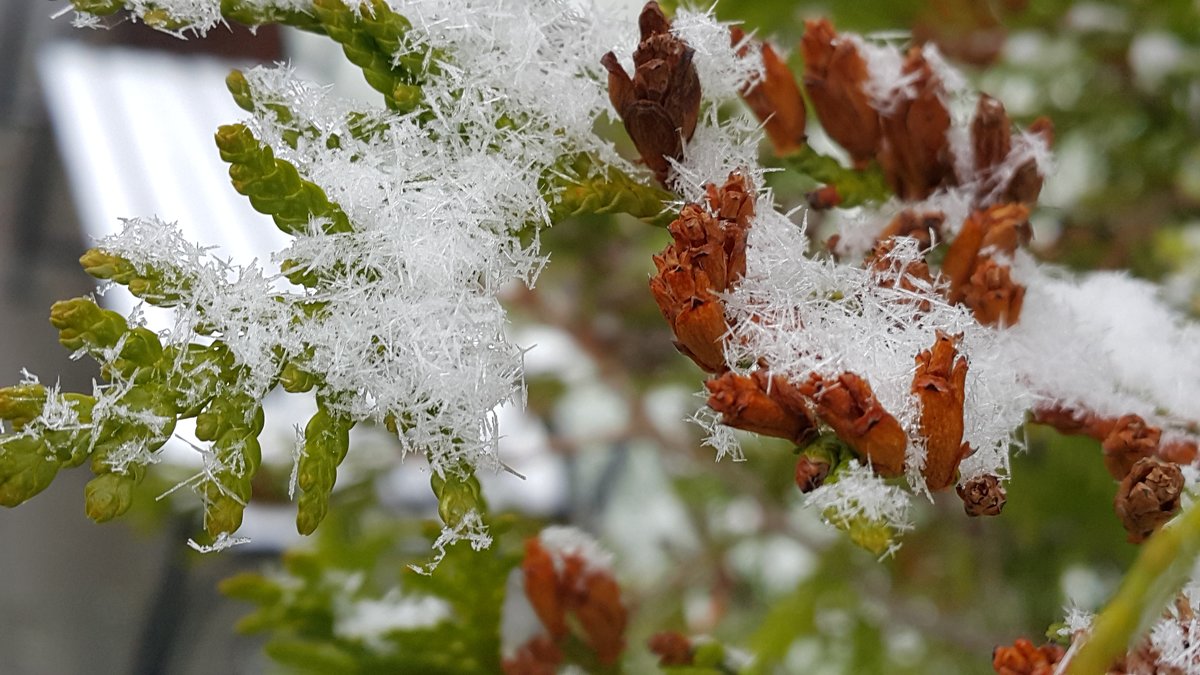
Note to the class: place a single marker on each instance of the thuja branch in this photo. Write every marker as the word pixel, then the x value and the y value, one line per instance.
pixel 1162 567
pixel 842 186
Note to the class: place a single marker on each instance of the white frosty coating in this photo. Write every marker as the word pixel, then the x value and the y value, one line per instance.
pixel 222 542
pixel 470 529
pixel 563 542
pixel 1107 342
pixel 722 72
pixel 370 620
pixel 859 493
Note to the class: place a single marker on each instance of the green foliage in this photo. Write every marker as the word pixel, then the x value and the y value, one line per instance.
pixel 301 604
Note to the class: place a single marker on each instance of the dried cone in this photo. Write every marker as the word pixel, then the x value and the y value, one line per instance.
pixel 847 404
pixel 557 584
pixel 835 77
pixel 660 104
pixel 994 298
pixel 744 404
pixel 940 384
pixel 1130 440
pixel 915 152
pixel 1022 658
pixel 982 496
pixel 976 278
pixel 1148 496
pixel 706 256
pixel 775 99
pixel 1026 182
pixel 991 139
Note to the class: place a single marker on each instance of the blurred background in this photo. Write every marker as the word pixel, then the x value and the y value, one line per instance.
pixel 723 549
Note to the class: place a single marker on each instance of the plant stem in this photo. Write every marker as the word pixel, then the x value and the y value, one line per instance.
pixel 1156 576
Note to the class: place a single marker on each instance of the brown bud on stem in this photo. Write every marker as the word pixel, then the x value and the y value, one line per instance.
pixel 835 76
pixel 915 152
pixel 672 648
pixel 1148 496
pixel 661 102
pixel 775 99
pixel 982 496
pixel 745 404
pixel 706 256
pixel 976 278
pixel 1130 440
pixel 940 383
pixel 847 404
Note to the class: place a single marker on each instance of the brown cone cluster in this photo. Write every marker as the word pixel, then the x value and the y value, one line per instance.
pixel 568 587
pixel 907 135
pixel 1134 453
pixel 659 105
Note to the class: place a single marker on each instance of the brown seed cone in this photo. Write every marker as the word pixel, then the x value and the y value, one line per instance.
pixel 996 229
pixel 992 295
pixel 915 152
pixel 982 496
pixel 542 588
pixel 1026 183
pixel 706 256
pixel 660 104
pixel 940 383
pixel 835 75
pixel 601 615
pixel 696 316
pixel 775 99
pixel 1148 496
pixel 890 272
pixel 672 648
pixel 1022 658
pixel 744 404
pixel 1130 440
pixel 847 404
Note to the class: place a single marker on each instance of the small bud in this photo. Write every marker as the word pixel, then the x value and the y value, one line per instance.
pixel 108 496
pixel 1130 440
pixel 22 403
pixel 457 495
pixel 27 466
pixel 1148 496
pixel 982 496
